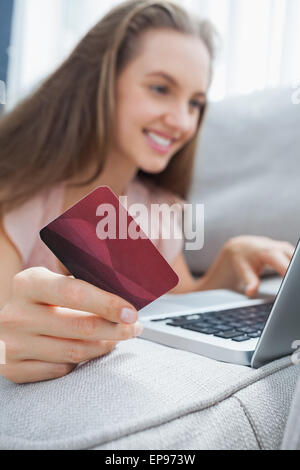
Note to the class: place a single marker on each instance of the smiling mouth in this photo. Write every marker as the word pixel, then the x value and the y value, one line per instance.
pixel 157 143
pixel 158 139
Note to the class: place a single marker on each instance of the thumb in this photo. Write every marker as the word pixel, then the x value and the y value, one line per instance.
pixel 247 277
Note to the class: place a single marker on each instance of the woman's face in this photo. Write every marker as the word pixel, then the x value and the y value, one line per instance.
pixel 159 98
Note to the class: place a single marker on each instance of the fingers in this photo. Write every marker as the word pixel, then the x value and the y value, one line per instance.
pixel 277 260
pixel 74 324
pixel 35 371
pixel 57 350
pixel 246 256
pixel 43 286
pixel 288 249
pixel 247 276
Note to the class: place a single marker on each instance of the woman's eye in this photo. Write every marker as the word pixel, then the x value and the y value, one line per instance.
pixel 196 104
pixel 163 90
pixel 159 87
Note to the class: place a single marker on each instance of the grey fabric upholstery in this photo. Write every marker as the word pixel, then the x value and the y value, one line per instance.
pixel 291 439
pixel 247 171
pixel 147 396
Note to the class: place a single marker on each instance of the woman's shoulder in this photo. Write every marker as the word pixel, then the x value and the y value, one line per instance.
pixel 23 223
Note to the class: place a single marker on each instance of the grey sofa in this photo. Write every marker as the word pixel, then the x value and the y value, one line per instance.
pixel 148 396
pixel 247 171
pixel 291 437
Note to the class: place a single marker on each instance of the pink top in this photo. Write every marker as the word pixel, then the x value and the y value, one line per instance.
pixel 23 224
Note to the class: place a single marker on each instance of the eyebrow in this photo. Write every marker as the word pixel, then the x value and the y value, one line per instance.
pixel 173 81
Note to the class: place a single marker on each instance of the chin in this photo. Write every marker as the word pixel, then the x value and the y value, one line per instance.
pixel 157 165
pixel 153 169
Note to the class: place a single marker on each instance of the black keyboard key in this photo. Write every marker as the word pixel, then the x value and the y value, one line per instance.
pixel 196 316
pixel 225 320
pixel 178 323
pixel 240 317
pixel 259 326
pixel 241 338
pixel 250 319
pixel 204 324
pixel 208 316
pixel 214 321
pixel 231 311
pixel 247 329
pixel 178 317
pixel 223 327
pixel 227 334
pixel 244 311
pixel 262 314
pixel 236 324
pixel 200 329
pixel 257 334
pixel 159 319
pixel 266 307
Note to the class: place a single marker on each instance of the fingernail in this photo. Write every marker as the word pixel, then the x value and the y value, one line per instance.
pixel 251 289
pixel 252 286
pixel 242 287
pixel 128 315
pixel 138 328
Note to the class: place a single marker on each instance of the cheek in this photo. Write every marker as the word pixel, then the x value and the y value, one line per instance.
pixel 195 129
pixel 137 113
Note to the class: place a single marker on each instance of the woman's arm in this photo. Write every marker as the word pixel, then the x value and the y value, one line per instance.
pixel 238 266
pixel 187 283
pixel 11 264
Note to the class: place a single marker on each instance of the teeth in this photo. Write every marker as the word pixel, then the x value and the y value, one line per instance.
pixel 159 140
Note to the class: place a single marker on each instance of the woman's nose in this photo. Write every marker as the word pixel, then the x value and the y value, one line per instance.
pixel 180 119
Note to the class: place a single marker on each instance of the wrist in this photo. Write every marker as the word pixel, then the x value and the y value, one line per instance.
pixel 202 283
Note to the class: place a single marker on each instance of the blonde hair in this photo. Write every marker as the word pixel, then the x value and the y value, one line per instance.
pixel 53 133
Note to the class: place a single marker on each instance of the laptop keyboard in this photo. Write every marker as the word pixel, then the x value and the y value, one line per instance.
pixel 237 324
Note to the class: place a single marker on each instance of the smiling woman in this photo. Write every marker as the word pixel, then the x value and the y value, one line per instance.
pixel 163 106
pixel 83 123
pixel 104 117
pixel 124 110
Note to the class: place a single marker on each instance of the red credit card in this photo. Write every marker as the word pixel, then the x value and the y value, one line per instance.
pixel 93 240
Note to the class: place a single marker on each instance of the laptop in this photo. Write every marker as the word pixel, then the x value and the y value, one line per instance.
pixel 228 326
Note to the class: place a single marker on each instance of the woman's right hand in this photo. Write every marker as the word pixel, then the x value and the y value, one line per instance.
pixel 53 322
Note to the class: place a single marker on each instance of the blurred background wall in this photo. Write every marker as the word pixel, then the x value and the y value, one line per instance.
pixel 6 13
pixel 6 10
pixel 259 41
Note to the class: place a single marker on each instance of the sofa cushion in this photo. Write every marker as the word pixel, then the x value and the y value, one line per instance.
pixel 291 438
pixel 145 395
pixel 247 171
